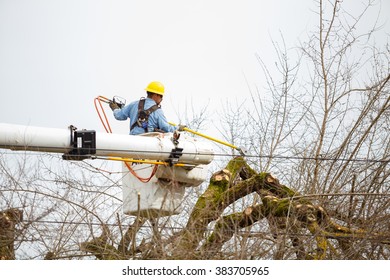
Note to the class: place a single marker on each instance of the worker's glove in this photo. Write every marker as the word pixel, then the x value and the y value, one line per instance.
pixel 114 105
pixel 181 127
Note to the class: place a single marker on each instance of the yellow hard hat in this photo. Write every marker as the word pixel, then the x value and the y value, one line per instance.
pixel 155 87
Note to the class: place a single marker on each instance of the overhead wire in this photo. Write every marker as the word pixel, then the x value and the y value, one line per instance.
pixel 253 233
pixel 107 127
pixel 141 152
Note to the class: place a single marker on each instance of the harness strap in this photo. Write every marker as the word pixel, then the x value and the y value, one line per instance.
pixel 143 115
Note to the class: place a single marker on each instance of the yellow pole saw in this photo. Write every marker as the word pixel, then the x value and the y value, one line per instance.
pixel 240 150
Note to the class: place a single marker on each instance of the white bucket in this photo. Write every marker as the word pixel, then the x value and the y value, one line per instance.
pixel 163 194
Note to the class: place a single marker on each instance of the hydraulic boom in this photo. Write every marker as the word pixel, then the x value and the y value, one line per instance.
pixel 82 144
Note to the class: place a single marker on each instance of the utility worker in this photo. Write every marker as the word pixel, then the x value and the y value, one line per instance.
pixel 146 114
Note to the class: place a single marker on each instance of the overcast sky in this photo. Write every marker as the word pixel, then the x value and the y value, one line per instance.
pixel 56 56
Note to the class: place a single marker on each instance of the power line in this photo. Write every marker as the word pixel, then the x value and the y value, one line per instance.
pixel 325 159
pixel 248 233
pixel 321 158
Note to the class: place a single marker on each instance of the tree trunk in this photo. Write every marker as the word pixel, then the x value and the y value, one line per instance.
pixel 8 219
pixel 288 214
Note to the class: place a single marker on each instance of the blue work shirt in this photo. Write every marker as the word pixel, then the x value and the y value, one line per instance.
pixel 157 118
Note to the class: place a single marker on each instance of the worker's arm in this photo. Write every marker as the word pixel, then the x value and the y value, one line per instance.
pixel 158 118
pixel 122 114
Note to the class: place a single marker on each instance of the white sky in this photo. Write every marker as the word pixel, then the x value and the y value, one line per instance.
pixel 56 56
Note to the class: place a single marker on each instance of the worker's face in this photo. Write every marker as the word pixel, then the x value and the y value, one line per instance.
pixel 158 98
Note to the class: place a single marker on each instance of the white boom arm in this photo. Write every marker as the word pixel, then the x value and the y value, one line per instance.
pixel 81 144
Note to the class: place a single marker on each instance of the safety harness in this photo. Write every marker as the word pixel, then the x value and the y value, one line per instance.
pixel 143 115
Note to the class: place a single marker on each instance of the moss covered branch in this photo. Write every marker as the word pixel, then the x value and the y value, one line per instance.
pixel 287 212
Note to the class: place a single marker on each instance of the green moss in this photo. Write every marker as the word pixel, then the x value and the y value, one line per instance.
pixel 276 206
pixel 101 250
pixel 235 165
pixel 322 242
pixel 218 187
